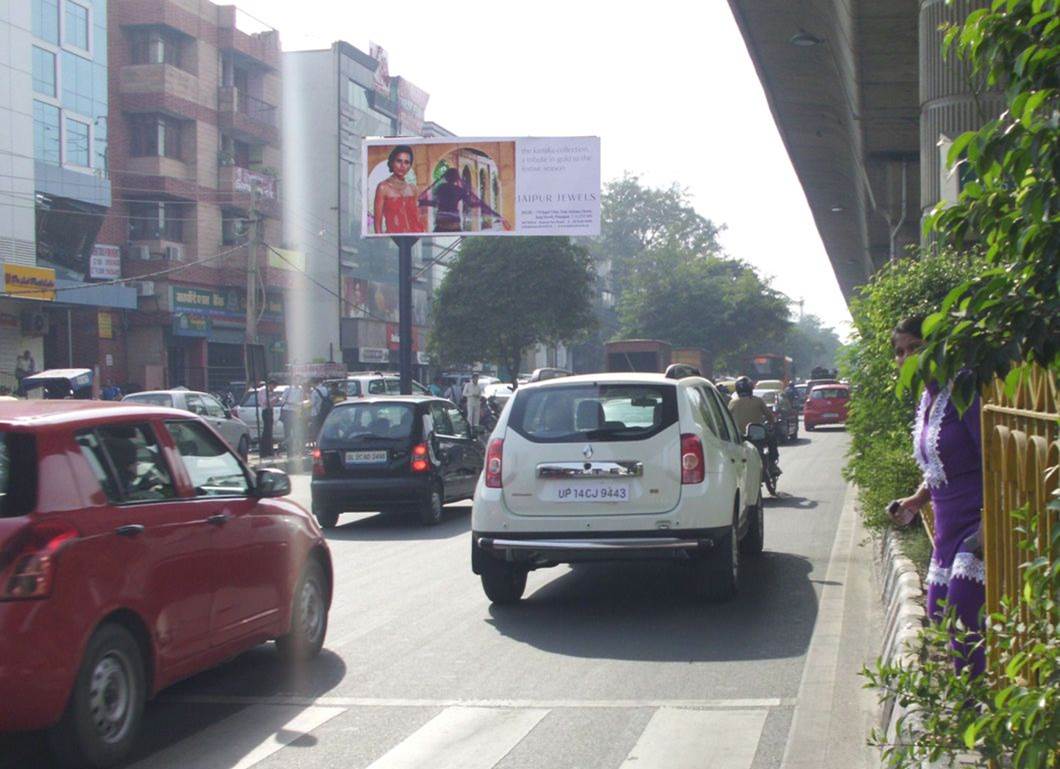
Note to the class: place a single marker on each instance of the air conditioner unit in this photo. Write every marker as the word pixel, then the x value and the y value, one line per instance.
pixel 34 323
pixel 145 288
pixel 174 253
pixel 140 252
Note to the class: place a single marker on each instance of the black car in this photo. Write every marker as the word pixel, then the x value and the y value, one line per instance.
pixel 394 453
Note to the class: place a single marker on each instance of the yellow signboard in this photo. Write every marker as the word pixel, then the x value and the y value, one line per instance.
pixel 106 325
pixel 29 282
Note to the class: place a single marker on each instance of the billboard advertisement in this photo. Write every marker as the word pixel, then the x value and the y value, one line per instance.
pixel 508 186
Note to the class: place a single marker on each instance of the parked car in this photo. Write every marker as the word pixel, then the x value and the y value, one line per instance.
pixel 249 412
pixel 785 415
pixel 827 405
pixel 616 466
pixel 812 383
pixel 377 383
pixel 136 550
pixel 501 392
pixel 769 384
pixel 392 454
pixel 233 429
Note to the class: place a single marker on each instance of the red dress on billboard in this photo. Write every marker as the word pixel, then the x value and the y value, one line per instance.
pixel 401 214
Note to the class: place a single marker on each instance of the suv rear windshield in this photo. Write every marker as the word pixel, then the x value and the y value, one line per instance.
pixel 369 420
pixel 593 412
pixel 18 474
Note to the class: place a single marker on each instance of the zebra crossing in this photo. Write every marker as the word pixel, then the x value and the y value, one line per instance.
pixel 486 734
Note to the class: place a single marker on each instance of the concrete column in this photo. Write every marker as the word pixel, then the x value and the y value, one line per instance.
pixel 949 104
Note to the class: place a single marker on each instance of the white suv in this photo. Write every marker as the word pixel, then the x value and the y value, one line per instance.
pixel 615 467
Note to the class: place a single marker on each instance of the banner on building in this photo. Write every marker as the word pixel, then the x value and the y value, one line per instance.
pixel 412 105
pixel 373 355
pixel 225 303
pixel 381 81
pixel 513 186
pixel 105 262
pixel 29 282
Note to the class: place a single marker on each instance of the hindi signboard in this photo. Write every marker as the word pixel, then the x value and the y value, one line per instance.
pixel 105 262
pixel 510 186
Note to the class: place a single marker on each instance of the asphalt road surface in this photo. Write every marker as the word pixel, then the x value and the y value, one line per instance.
pixel 601 666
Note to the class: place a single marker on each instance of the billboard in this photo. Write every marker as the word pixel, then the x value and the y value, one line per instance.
pixel 508 186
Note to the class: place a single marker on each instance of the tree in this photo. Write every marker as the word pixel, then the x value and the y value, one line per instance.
pixel 717 304
pixel 1010 208
pixel 502 296
pixel 636 221
pixel 811 344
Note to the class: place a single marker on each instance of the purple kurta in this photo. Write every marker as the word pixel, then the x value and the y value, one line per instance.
pixel 947 447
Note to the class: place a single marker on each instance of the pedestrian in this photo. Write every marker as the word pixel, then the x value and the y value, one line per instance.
pixel 436 386
pixel 948 448
pixel 473 392
pixel 265 440
pixel 452 393
pixel 321 399
pixel 25 366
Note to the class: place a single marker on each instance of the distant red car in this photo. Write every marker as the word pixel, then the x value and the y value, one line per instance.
pixel 135 550
pixel 825 405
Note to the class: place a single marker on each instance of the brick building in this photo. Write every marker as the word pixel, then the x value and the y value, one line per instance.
pixel 194 128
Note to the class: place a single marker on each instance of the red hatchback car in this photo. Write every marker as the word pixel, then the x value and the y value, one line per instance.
pixel 825 404
pixel 135 550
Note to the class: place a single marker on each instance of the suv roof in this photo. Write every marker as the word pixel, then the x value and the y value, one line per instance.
pixel 389 398
pixel 630 377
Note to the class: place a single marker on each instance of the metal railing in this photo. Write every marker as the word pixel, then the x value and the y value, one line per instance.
pixel 1021 452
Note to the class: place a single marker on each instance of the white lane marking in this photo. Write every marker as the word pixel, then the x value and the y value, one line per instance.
pixel 241 740
pixel 693 739
pixel 462 738
pixel 808 739
pixel 383 702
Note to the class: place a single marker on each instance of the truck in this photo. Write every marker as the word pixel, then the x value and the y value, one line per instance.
pixel 644 355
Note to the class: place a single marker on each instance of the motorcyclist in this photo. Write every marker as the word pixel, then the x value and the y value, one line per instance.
pixel 747 408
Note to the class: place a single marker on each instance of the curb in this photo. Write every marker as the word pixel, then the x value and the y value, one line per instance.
pixel 902 596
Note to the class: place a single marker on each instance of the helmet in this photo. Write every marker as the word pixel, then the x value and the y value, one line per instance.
pixel 744 386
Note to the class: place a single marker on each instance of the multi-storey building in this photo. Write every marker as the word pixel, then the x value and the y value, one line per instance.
pixel 55 192
pixel 195 156
pixel 348 310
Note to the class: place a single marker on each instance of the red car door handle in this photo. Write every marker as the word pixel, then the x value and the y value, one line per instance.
pixel 217 520
pixel 130 530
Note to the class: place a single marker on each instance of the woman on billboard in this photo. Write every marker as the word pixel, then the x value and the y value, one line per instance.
pixel 396 206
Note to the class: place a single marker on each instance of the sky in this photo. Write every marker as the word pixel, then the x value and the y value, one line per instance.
pixel 667 85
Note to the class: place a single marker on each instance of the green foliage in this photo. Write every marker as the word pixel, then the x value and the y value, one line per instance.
pixel 811 344
pixel 717 304
pixel 1011 209
pixel 502 296
pixel 1010 714
pixel 881 461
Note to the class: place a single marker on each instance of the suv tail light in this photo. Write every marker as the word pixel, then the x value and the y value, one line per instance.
pixel 693 468
pixel 420 458
pixel 27 570
pixel 494 463
pixel 318 464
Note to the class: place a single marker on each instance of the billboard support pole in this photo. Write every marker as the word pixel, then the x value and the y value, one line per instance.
pixel 405 244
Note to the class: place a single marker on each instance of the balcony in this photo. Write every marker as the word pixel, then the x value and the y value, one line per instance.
pixel 245 189
pixel 156 13
pixel 253 42
pixel 157 79
pixel 247 118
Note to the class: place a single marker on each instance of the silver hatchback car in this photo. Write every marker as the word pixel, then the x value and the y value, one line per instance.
pixel 233 429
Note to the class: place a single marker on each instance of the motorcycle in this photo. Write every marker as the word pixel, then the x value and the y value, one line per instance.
pixel 758 435
pixel 489 411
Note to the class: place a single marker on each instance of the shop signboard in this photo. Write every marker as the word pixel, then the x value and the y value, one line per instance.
pixel 105 262
pixel 445 186
pixel 190 324
pixel 373 355
pixel 224 304
pixel 29 282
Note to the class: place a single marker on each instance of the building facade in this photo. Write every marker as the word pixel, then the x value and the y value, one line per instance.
pixel 348 306
pixel 55 192
pixel 195 154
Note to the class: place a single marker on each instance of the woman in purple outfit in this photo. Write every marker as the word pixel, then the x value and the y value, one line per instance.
pixel 947 446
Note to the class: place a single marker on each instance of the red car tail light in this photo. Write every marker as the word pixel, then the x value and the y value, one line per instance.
pixel 420 458
pixel 27 570
pixel 494 463
pixel 693 468
pixel 318 464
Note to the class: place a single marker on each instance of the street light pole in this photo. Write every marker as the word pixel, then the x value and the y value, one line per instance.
pixel 405 244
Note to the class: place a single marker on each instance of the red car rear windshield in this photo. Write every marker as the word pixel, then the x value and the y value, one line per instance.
pixel 18 474
pixel 831 392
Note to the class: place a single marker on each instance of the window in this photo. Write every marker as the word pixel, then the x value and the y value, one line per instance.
pixel 440 416
pixel 378 420
pixel 356 95
pixel 151 46
pixel 726 427
pixel 701 409
pixel 597 412
pixel 156 221
pixel 81 82
pixel 46 20
pixel 212 468
pixel 128 463
pixel 460 425
pixel 155 136
pixel 376 387
pixel 46 132
pixel 18 474
pixel 195 404
pixel 43 71
pixel 77 143
pixel 214 409
pixel 75 22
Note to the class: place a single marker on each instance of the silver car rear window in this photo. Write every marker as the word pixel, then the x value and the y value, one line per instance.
pixel 593 412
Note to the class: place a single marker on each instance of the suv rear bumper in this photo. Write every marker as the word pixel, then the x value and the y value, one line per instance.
pixel 536 550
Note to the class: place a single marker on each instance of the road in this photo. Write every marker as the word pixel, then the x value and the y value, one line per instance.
pixel 601 667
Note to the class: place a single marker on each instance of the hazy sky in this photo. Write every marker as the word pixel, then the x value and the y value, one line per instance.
pixel 667 85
